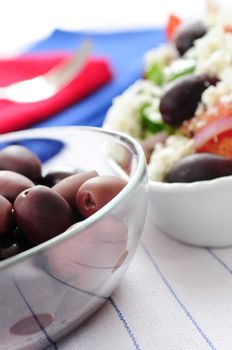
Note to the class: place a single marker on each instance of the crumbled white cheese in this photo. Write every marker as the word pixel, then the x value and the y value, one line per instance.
pixel 152 110
pixel 124 114
pixel 222 92
pixel 164 157
pixel 178 66
pixel 218 13
pixel 213 52
pixel 226 75
pixel 162 55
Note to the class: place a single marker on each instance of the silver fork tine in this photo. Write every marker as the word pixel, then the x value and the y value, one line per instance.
pixel 62 73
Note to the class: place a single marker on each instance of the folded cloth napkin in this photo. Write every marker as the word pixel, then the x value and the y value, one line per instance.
pixel 15 116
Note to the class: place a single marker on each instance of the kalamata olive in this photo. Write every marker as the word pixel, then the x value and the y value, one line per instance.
pixel 41 214
pixel 96 192
pixel 181 97
pixel 19 238
pixel 69 186
pixel 54 176
pixel 11 249
pixel 149 143
pixel 187 33
pixel 12 183
pixel 199 167
pixel 21 160
pixel 6 217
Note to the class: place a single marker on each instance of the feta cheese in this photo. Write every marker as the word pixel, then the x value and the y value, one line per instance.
pixel 179 67
pixel 218 13
pixel 124 114
pixel 163 55
pixel 222 92
pixel 213 52
pixel 164 157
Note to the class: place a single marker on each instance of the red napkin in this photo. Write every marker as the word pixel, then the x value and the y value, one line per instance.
pixel 15 116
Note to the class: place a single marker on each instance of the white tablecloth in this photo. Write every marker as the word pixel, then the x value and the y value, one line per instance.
pixel 173 296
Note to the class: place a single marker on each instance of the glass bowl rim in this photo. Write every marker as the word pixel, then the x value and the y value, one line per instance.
pixel 70 232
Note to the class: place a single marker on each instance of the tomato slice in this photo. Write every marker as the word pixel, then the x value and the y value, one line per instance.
pixel 228 29
pixel 171 26
pixel 194 125
pixel 220 145
pixel 212 133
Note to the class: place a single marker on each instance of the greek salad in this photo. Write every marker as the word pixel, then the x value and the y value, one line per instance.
pixel 181 109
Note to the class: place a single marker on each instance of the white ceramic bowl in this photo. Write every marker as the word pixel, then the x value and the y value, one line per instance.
pixel 198 213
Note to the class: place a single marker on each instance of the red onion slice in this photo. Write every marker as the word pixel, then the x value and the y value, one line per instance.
pixel 214 128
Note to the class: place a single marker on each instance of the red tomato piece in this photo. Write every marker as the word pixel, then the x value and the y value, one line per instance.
pixel 220 145
pixel 172 25
pixel 212 133
pixel 228 29
pixel 194 125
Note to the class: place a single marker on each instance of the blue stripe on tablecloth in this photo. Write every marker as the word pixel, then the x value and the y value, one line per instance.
pixel 50 341
pixel 125 323
pixel 111 301
pixel 221 262
pixel 181 304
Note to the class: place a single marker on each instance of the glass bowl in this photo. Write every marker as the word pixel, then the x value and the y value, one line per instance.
pixel 47 291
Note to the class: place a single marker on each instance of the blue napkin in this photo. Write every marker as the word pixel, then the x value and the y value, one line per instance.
pixel 124 51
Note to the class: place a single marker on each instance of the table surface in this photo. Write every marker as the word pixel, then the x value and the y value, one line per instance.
pixel 173 296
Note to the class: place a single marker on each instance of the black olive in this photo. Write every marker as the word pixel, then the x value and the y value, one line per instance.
pixel 181 97
pixel 187 33
pixel 199 167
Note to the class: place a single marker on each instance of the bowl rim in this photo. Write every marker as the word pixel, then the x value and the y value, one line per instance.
pixel 135 179
pixel 190 186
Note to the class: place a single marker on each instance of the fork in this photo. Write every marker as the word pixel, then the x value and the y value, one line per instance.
pixel 47 85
